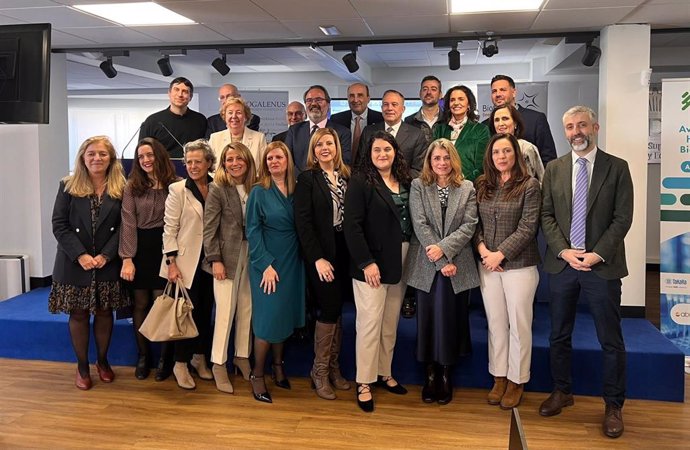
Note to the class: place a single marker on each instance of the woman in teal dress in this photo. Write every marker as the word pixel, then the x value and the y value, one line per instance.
pixel 460 123
pixel 276 272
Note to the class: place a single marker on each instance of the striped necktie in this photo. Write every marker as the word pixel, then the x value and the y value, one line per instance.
pixel 579 218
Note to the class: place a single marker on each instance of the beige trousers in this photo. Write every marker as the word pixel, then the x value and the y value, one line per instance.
pixel 233 302
pixel 378 313
pixel 508 298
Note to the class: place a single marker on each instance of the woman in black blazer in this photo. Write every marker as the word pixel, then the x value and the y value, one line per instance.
pixel 319 212
pixel 86 224
pixel 377 231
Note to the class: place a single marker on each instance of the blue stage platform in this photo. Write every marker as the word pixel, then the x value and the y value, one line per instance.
pixel 654 370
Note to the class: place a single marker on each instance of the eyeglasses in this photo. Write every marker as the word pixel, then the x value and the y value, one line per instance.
pixel 314 100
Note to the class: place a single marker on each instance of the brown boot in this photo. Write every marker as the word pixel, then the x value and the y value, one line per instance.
pixel 323 340
pixel 496 393
pixel 337 379
pixel 513 395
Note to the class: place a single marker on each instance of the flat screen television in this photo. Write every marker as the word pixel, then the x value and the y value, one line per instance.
pixel 24 73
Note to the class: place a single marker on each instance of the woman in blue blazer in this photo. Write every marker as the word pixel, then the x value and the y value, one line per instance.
pixel 86 224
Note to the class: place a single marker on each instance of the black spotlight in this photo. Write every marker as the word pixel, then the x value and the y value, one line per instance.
pixel 592 53
pixel 490 48
pixel 107 68
pixel 164 66
pixel 221 65
pixel 454 58
pixel 350 61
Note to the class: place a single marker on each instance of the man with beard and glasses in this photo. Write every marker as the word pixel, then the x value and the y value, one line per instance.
pixel 318 104
pixel 430 93
pixel 587 210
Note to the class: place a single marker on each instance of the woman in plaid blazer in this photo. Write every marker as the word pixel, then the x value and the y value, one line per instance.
pixel 509 200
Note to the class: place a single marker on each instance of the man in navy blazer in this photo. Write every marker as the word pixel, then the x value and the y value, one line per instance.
pixel 537 130
pixel 587 209
pixel 318 104
pixel 358 98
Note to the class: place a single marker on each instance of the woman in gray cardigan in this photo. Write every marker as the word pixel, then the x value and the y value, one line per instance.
pixel 441 265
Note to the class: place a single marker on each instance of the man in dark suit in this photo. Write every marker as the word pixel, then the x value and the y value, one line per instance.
pixel 537 130
pixel 359 115
pixel 294 113
pixel 586 212
pixel 318 104
pixel 215 123
pixel 411 139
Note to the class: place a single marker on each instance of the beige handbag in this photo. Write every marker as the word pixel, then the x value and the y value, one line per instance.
pixel 170 318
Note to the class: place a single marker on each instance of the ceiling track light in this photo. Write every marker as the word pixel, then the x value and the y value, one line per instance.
pixel 592 54
pixel 221 65
pixel 454 58
pixel 108 68
pixel 350 59
pixel 490 47
pixel 164 66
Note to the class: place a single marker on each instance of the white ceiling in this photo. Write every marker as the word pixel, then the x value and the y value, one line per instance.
pixel 235 22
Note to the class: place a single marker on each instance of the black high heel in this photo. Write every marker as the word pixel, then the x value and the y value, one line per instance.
pixel 283 383
pixel 264 396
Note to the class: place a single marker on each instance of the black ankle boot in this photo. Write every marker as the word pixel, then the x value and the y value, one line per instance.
pixel 445 386
pixel 142 370
pixel 429 389
pixel 166 363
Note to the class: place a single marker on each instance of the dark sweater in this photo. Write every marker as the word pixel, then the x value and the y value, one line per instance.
pixel 185 128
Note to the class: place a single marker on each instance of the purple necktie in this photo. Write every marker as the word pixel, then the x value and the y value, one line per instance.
pixel 579 219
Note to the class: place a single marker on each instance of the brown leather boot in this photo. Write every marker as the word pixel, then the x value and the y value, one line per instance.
pixel 323 341
pixel 513 395
pixel 337 379
pixel 496 393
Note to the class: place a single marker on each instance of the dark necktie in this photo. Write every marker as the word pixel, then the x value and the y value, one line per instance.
pixel 355 139
pixel 313 129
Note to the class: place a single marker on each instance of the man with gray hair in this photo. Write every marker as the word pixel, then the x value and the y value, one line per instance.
pixel 587 210
pixel 294 113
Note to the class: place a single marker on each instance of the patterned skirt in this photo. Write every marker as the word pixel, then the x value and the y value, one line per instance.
pixel 64 298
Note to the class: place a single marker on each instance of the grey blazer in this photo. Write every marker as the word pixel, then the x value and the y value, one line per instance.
pixel 454 238
pixel 223 227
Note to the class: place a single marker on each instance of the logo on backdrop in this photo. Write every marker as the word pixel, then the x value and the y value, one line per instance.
pixel 685 101
pixel 681 314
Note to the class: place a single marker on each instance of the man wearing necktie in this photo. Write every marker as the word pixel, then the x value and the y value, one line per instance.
pixel 359 115
pixel 411 139
pixel 586 213
pixel 318 104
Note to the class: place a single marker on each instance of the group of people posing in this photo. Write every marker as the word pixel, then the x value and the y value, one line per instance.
pixel 343 210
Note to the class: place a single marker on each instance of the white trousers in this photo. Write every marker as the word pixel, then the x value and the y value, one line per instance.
pixel 233 302
pixel 508 298
pixel 378 313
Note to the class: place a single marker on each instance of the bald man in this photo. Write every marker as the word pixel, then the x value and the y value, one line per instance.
pixel 215 123
pixel 294 113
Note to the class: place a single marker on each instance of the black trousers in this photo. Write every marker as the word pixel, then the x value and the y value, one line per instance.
pixel 330 296
pixel 604 297
pixel 201 294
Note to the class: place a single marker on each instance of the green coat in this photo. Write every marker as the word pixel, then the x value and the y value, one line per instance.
pixel 471 145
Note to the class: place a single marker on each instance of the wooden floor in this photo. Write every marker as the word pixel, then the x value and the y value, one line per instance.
pixel 41 408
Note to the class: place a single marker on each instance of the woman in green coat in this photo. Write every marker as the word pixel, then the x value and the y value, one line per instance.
pixel 460 124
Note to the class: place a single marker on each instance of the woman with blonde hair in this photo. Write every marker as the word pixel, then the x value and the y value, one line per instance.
pixel 276 269
pixel 319 214
pixel 441 265
pixel 235 112
pixel 226 249
pixel 86 225
pixel 509 200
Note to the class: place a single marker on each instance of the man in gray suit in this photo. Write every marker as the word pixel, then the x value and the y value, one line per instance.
pixel 411 139
pixel 587 210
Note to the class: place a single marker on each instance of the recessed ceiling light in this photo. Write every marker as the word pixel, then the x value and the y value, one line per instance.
pixel 131 14
pixel 330 30
pixel 465 6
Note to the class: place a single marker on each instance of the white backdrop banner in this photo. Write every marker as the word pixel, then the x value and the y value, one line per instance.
pixel 529 95
pixel 675 213
pixel 270 106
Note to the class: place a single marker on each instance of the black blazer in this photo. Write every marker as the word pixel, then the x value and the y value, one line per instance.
pixel 314 217
pixel 73 230
pixel 344 118
pixel 280 137
pixel 411 140
pixel 372 229
pixel 298 137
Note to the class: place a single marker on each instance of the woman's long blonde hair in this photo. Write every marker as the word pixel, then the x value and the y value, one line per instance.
pixel 264 178
pixel 79 184
pixel 429 177
pixel 338 163
pixel 223 178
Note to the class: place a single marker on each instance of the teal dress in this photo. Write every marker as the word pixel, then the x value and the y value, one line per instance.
pixel 273 241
